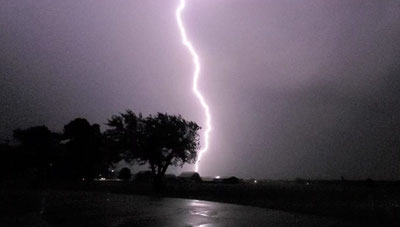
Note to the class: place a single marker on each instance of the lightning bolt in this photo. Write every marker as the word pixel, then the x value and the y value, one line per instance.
pixel 196 74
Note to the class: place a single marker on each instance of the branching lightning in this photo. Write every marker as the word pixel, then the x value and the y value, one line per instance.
pixel 196 75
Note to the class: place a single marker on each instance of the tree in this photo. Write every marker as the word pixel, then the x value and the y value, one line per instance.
pixel 84 154
pixel 36 150
pixel 122 137
pixel 160 141
pixel 125 174
pixel 7 166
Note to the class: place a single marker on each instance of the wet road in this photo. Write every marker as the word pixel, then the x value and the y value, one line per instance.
pixel 58 208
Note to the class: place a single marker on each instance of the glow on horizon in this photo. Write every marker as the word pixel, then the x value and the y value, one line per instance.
pixel 196 74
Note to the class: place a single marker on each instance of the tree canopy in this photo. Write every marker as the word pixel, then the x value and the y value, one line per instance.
pixel 84 156
pixel 83 151
pixel 36 149
pixel 161 140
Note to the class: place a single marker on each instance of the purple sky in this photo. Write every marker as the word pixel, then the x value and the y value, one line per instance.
pixel 301 88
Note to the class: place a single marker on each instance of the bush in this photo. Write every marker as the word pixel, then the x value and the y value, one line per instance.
pixel 125 174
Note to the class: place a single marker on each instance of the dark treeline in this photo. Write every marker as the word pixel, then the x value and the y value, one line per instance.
pixel 82 151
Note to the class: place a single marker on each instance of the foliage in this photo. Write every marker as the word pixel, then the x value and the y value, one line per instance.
pixel 84 155
pixel 83 151
pixel 125 174
pixel 7 166
pixel 122 137
pixel 36 149
pixel 160 141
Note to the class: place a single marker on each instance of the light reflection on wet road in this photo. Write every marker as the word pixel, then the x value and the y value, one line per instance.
pixel 105 209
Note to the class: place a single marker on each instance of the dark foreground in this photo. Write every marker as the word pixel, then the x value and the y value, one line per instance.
pixel 78 208
pixel 377 205
pixel 307 203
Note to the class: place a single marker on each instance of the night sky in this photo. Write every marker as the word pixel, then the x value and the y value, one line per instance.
pixel 305 88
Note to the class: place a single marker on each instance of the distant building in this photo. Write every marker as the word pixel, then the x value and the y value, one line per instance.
pixel 207 179
pixel 217 179
pixel 231 180
pixel 226 180
pixel 190 176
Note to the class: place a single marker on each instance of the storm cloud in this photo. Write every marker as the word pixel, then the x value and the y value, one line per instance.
pixel 296 88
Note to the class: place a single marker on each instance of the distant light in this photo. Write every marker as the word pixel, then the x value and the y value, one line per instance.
pixel 51 164
pixel 102 179
pixel 255 181
pixel 112 171
pixel 83 179
pixel 217 177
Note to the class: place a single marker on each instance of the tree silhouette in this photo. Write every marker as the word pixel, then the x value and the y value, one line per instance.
pixel 8 165
pixel 160 141
pixel 125 174
pixel 122 137
pixel 36 150
pixel 84 155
